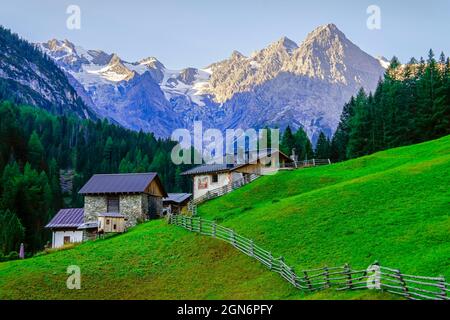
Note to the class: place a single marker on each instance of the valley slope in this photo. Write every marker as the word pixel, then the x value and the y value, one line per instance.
pixel 391 206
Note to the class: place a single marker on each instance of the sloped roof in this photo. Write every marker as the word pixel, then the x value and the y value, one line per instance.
pixel 119 183
pixel 208 168
pixel 67 218
pixel 111 215
pixel 177 197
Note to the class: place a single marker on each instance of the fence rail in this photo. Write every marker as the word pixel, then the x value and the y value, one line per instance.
pixel 306 163
pixel 342 278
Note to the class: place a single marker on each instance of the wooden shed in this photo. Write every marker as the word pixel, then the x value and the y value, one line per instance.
pixel 111 223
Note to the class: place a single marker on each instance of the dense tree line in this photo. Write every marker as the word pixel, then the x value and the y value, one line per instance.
pixel 297 141
pixel 35 145
pixel 410 105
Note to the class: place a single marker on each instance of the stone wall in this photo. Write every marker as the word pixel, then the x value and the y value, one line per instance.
pixel 135 208
pixel 131 208
pixel 93 205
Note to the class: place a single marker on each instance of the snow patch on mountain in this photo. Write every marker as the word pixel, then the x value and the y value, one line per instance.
pixel 283 84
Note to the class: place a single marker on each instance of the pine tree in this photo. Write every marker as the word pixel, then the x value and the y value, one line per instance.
pixel 302 145
pixel 340 139
pixel 287 141
pixel 35 152
pixel 359 127
pixel 11 232
pixel 323 147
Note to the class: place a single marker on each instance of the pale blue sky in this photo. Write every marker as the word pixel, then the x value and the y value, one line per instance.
pixel 196 33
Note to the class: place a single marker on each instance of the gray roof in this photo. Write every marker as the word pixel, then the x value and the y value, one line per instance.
pixel 209 168
pixel 177 197
pixel 88 225
pixel 111 215
pixel 67 218
pixel 118 183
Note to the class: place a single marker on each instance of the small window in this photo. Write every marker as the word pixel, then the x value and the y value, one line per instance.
pixel 113 204
pixel 66 239
pixel 115 227
pixel 107 222
pixel 202 183
pixel 214 178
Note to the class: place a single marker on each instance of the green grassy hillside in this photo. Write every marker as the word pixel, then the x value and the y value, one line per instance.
pixel 392 206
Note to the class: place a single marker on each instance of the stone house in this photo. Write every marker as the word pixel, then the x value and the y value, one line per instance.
pixel 112 203
pixel 138 197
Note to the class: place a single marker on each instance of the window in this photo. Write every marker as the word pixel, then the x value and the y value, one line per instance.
pixel 202 183
pixel 66 239
pixel 115 227
pixel 214 178
pixel 113 204
pixel 107 222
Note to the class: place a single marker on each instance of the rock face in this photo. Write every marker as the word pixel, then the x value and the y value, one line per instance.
pixel 283 84
pixel 27 76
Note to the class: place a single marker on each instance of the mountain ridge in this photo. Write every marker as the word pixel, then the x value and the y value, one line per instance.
pixel 285 83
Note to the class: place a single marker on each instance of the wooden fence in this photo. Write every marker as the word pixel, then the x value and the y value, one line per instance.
pixel 342 278
pixel 306 163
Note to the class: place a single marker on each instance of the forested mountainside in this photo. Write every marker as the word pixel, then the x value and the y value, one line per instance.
pixel 29 76
pixel 35 145
pixel 410 105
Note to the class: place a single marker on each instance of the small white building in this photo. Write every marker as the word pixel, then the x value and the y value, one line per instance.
pixel 65 227
pixel 211 177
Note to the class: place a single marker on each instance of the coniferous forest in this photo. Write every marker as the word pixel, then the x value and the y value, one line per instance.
pixel 410 105
pixel 35 145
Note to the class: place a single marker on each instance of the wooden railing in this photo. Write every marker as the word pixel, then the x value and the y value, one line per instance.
pixel 211 194
pixel 342 278
pixel 306 163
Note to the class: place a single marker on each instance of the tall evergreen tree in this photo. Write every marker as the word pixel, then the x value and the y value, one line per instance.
pixel 287 141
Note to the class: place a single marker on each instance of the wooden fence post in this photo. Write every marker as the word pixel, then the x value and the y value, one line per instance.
pixel 308 281
pixel 403 283
pixel 327 277
pixel 252 250
pixel 214 227
pixel 347 271
pixel 282 264
pixel 233 241
pixel 270 261
pixel 200 225
pixel 441 285
pixel 293 276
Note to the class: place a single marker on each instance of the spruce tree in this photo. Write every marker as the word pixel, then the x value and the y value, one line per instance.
pixel 323 147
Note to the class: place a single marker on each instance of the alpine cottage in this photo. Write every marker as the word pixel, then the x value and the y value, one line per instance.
pixel 210 178
pixel 112 203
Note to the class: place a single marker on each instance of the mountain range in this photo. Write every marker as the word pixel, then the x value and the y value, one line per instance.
pixel 287 83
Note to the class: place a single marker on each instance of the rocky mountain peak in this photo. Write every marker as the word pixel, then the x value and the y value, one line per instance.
pixel 152 62
pixel 325 35
pixel 286 44
pixel 236 55
pixel 188 75
pixel 115 60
